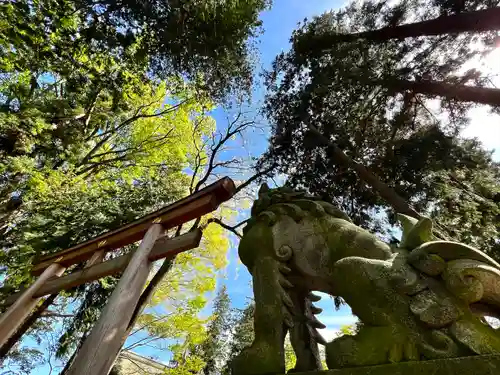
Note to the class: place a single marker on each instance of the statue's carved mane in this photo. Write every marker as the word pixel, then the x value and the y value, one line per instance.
pixel 284 201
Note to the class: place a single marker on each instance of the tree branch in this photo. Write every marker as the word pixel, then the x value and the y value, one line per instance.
pixel 216 148
pixel 53 314
pixel 225 226
pixel 125 123
pixel 254 178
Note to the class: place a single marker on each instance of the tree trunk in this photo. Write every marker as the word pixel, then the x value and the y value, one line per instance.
pixel 475 21
pixel 398 203
pixel 462 93
pixel 4 349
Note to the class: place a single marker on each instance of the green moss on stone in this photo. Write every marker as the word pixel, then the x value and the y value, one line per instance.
pixel 478 365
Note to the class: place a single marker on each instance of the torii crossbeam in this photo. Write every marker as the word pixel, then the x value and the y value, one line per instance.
pixel 99 350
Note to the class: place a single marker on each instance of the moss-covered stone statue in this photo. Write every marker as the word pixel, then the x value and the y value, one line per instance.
pixel 424 300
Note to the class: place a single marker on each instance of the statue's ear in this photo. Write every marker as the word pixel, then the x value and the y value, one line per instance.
pixel 415 232
pixel 264 188
pixel 407 224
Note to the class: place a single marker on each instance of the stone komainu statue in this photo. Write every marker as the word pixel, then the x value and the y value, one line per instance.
pixel 423 300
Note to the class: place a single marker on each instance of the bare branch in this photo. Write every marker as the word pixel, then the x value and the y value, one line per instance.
pixel 53 314
pixel 241 223
pixel 254 178
pixel 233 129
pixel 156 320
pixel 138 147
pixel 102 163
pixel 224 225
pixel 226 163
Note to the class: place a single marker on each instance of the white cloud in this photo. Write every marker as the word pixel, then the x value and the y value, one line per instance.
pixel 492 321
pixel 486 127
pixel 329 333
pixel 333 323
pixel 338 320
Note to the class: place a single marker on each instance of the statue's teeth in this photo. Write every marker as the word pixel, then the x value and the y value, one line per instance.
pixel 285 283
pixel 318 337
pixel 316 310
pixel 287 318
pixel 287 300
pixel 313 322
pixel 288 321
pixel 313 297
pixel 284 269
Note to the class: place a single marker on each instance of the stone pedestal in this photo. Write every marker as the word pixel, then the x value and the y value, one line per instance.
pixel 478 365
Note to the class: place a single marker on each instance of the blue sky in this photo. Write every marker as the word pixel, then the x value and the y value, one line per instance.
pixel 279 22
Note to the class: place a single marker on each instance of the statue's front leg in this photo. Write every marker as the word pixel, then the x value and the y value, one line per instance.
pixel 266 355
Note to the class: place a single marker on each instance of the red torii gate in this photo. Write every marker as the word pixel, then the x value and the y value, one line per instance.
pixel 100 348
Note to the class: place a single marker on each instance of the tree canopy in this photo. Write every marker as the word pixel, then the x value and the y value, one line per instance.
pixel 212 39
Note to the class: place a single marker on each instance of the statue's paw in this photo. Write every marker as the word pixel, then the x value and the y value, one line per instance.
pixel 370 346
pixel 395 354
pixel 258 360
pixel 341 352
pixel 411 352
pixel 403 351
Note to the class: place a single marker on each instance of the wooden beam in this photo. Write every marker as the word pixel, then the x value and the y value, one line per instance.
pixel 101 347
pixel 15 315
pixel 97 257
pixel 168 247
pixel 164 247
pixel 189 208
